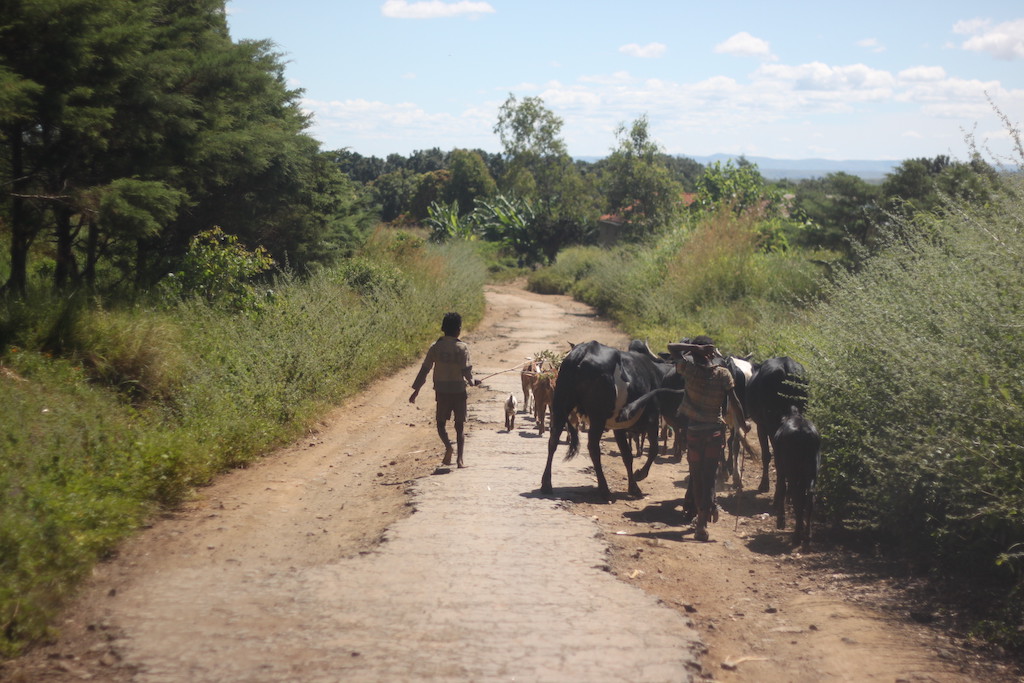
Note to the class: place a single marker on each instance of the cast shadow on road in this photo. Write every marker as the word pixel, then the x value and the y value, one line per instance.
pixel 569 494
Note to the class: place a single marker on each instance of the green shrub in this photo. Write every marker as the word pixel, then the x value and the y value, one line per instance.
pixel 918 385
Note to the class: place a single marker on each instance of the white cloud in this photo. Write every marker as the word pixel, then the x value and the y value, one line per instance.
pixel 923 73
pixel 871 44
pixel 644 51
pixel 817 76
pixel 433 9
pixel 1003 41
pixel 745 45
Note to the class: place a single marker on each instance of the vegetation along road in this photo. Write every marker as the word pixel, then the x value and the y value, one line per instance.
pixel 351 555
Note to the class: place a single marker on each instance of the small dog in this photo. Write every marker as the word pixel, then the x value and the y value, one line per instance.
pixel 510 412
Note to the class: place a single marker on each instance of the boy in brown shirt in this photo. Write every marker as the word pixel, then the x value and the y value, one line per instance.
pixel 453 372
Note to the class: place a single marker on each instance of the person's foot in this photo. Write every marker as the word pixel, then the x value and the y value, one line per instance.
pixel 447 456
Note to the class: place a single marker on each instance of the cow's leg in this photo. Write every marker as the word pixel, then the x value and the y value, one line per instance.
pixel 766 458
pixel 545 480
pixel 594 447
pixel 652 453
pixel 625 443
pixel 781 486
pixel 798 491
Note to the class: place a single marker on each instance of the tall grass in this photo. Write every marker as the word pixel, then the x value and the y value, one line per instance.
pixel 712 278
pixel 110 413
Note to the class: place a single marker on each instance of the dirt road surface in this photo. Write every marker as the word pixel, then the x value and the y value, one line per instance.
pixel 353 556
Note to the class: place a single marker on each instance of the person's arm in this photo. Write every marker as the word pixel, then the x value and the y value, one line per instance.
pixel 467 372
pixel 421 377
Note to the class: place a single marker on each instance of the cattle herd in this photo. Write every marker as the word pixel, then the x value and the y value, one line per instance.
pixel 637 393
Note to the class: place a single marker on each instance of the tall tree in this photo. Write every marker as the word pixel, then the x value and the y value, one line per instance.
pixel 639 186
pixel 540 170
pixel 131 125
pixel 470 180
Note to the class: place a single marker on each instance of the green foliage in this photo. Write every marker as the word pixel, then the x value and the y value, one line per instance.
pixel 110 127
pixel 917 380
pixel 737 187
pixel 219 270
pixel 511 222
pixel 713 279
pixel 445 223
pixel 639 186
pixel 470 180
pixel 840 210
pixel 81 467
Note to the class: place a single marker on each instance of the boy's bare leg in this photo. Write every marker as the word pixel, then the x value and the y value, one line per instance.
pixel 443 433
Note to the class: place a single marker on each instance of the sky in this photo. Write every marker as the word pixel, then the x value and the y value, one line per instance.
pixel 870 80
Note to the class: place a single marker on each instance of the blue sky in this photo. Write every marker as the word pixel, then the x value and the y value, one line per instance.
pixel 792 80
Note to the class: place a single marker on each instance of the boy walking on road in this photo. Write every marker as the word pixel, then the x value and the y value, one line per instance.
pixel 453 372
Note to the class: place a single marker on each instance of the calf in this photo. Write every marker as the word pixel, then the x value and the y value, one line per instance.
pixel 776 386
pixel 797 458
pixel 510 412
pixel 528 376
pixel 543 390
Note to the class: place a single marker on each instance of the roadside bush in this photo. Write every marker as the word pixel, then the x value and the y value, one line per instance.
pixel 918 386
pixel 713 278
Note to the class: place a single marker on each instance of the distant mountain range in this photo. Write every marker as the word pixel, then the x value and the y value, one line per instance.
pixel 799 169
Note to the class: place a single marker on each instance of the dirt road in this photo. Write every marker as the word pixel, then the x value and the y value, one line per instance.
pixel 353 556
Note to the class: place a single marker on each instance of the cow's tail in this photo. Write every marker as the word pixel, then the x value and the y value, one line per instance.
pixel 630 410
pixel 574 440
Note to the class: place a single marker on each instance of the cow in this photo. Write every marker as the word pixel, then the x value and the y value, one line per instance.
pixel 528 376
pixel 797 458
pixel 597 381
pixel 668 396
pixel 543 390
pixel 742 371
pixel 510 412
pixel 776 385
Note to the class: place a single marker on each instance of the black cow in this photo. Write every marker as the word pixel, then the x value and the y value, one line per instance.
pixel 597 381
pixel 776 385
pixel 742 371
pixel 669 395
pixel 797 457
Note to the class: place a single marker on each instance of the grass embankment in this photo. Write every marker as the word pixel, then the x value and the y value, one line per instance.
pixel 111 413
pixel 915 362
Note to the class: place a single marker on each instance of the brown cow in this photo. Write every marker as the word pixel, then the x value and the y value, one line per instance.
pixel 543 391
pixel 528 376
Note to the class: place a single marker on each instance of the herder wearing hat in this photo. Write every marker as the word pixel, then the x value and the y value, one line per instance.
pixel 707 385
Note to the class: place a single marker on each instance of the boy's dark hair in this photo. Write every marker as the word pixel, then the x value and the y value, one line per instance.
pixel 702 340
pixel 451 325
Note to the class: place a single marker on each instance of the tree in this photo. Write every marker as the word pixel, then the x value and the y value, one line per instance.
pixel 393 193
pixel 540 171
pixel 469 180
pixel 640 187
pixel 128 126
pixel 923 184
pixel 840 210
pixel 738 187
